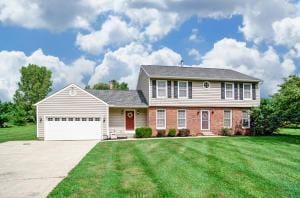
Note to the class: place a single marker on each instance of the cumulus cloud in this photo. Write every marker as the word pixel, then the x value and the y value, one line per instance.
pixel 124 63
pixel 114 31
pixel 62 74
pixel 287 31
pixel 195 54
pixel 268 66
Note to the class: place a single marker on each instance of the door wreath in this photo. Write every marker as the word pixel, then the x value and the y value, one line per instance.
pixel 129 114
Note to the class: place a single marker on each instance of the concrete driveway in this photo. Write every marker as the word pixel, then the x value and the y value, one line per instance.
pixel 34 168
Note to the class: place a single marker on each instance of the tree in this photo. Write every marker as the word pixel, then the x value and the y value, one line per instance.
pixel 34 85
pixel 114 84
pixel 4 113
pixel 101 86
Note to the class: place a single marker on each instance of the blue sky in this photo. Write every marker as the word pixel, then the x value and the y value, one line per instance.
pixel 87 41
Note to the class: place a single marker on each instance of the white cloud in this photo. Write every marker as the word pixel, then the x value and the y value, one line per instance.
pixel 194 37
pixel 114 31
pixel 231 54
pixel 195 54
pixel 62 74
pixel 287 31
pixel 123 64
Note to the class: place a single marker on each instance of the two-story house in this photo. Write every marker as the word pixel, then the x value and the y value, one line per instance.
pixel 203 100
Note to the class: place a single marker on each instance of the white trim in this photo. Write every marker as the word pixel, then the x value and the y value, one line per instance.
pixel 208 84
pixel 166 89
pixel 145 71
pixel 230 118
pixel 208 120
pixel 67 88
pixel 244 91
pixel 165 119
pixel 248 119
pixel 226 83
pixel 184 119
pixel 107 121
pixel 186 89
pixel 37 121
pixel 134 116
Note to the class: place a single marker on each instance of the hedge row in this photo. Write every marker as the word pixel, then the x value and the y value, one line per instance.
pixel 146 132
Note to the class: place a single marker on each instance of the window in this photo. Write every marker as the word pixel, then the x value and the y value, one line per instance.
pixel 182 89
pixel 91 119
pixel 77 119
pixel 83 119
pixel 227 119
pixel 63 119
pixel 161 119
pixel 247 91
pixel 50 119
pixel 97 119
pixel 181 119
pixel 229 90
pixel 70 119
pixel 161 88
pixel 246 119
pixel 206 85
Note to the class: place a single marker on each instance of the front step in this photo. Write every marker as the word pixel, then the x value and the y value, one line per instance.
pixel 208 133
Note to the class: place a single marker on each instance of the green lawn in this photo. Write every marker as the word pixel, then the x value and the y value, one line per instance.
pixel 206 167
pixel 27 132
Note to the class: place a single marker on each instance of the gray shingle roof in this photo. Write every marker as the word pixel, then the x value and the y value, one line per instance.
pixel 202 73
pixel 131 98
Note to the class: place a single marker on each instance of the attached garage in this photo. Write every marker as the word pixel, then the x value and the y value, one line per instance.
pixel 72 114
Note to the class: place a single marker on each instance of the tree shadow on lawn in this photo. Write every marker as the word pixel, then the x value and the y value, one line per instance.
pixel 278 138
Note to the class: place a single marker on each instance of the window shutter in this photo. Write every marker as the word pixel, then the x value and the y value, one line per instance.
pixel 175 89
pixel 241 91
pixel 254 91
pixel 190 89
pixel 169 89
pixel 153 88
pixel 236 91
pixel 222 90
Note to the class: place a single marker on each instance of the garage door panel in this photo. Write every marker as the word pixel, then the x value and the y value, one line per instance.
pixel 72 130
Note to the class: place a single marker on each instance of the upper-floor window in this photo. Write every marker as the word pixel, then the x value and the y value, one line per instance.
pixel 229 90
pixel 227 119
pixel 181 119
pixel 161 88
pixel 206 85
pixel 245 119
pixel 183 89
pixel 161 119
pixel 247 91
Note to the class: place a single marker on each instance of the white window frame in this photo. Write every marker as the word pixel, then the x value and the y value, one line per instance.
pixel 184 127
pixel 178 88
pixel 247 127
pixel 230 118
pixel 165 123
pixel 208 85
pixel 231 91
pixel 244 91
pixel 166 88
pixel 208 120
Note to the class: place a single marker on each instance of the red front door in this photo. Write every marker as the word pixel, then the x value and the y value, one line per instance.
pixel 129 120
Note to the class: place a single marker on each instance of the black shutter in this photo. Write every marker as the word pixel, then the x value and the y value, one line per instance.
pixel 236 91
pixel 222 90
pixel 169 89
pixel 254 91
pixel 241 91
pixel 153 88
pixel 190 90
pixel 175 89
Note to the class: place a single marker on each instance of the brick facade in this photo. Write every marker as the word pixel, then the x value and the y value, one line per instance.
pixel 193 116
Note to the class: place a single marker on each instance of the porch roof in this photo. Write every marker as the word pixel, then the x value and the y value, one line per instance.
pixel 120 98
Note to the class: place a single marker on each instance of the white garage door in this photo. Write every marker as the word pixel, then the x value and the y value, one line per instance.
pixel 72 128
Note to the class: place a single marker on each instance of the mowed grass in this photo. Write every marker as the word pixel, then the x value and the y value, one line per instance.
pixel 27 132
pixel 198 167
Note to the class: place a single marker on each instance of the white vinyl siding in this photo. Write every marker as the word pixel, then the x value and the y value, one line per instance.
pixel 229 91
pixel 181 119
pixel 203 97
pixel 143 84
pixel 63 104
pixel 182 89
pixel 227 118
pixel 161 119
pixel 247 91
pixel 161 88
pixel 245 119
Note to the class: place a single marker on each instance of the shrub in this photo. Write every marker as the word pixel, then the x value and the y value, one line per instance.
pixel 226 132
pixel 172 133
pixel 183 132
pixel 161 133
pixel 143 132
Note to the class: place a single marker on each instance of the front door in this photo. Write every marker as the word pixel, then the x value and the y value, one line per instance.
pixel 205 120
pixel 129 120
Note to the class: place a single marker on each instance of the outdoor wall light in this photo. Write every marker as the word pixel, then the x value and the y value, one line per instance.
pixel 138 112
pixel 41 119
pixel 103 119
pixel 122 112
